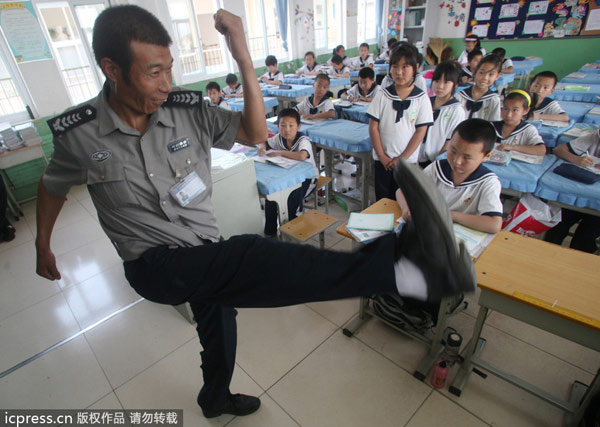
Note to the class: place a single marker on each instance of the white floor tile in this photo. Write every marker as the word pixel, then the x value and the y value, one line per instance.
pixel 338 312
pixel 66 378
pixel 76 235
pixel 269 414
pixel 110 401
pixel 440 411
pixel 22 235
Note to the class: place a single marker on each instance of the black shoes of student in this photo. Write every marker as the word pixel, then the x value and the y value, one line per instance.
pixel 7 233
pixel 428 237
pixel 238 404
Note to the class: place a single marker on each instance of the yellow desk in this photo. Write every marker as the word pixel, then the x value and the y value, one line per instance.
pixel 548 286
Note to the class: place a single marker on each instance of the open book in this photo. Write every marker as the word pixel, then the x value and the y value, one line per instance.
pixel 527 158
pixel 281 161
pixel 475 241
pixel 579 130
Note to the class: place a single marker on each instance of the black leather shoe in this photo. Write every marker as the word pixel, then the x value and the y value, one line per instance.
pixel 238 404
pixel 428 237
pixel 7 233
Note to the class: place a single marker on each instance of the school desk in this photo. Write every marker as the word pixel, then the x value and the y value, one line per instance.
pixel 357 113
pixel 563 139
pixel 550 134
pixel 589 79
pixel 288 96
pixel 590 68
pixel 304 127
pixel 523 69
pixel 237 104
pixel 350 138
pixel 590 95
pixel 576 110
pixel 593 119
pixel 309 80
pixel 525 278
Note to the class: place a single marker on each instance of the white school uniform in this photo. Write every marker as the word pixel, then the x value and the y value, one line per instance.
pixel 332 73
pixel 306 105
pixel 221 104
pixel 396 131
pixel 479 194
pixel 463 59
pixel 549 106
pixel 238 90
pixel 507 63
pixel 277 76
pixel 356 92
pixel 587 144
pixel 524 134
pixel 359 63
pixel 466 71
pixel 345 60
pixel 305 69
pixel 487 107
pixel 420 82
pixel 300 143
pixel 385 55
pixel 445 120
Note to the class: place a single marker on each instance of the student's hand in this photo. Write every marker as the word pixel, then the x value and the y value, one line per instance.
pixel 261 149
pixel 536 116
pixel 274 154
pixel 232 27
pixel 307 116
pixel 585 161
pixel 503 147
pixel 384 159
pixel 391 163
pixel 351 99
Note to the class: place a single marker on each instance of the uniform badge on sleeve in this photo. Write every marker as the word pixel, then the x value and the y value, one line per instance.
pixel 71 119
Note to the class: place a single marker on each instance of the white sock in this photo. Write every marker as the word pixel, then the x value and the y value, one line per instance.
pixel 410 280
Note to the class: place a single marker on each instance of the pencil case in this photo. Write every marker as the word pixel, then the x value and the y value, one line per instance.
pixel 285 87
pixel 576 173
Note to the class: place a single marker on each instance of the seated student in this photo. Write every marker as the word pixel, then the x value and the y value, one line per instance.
pixel 310 67
pixel 385 55
pixel 318 105
pixel 338 69
pixel 447 112
pixel 7 231
pixel 471 43
pixel 341 51
pixel 479 101
pixel 466 75
pixel 366 89
pixel 273 76
pixel 578 151
pixel 214 94
pixel 364 60
pixel 514 133
pixel 420 81
pixel 546 108
pixel 291 144
pixel 234 88
pixel 507 64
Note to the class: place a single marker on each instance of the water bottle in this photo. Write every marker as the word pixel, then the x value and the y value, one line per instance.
pixel 440 373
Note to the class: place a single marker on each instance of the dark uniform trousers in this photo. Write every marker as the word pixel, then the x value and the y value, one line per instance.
pixel 251 271
pixel 584 238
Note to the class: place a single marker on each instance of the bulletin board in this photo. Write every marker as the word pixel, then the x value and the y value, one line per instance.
pixel 510 19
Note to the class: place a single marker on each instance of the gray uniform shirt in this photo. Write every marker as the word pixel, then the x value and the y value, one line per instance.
pixel 129 174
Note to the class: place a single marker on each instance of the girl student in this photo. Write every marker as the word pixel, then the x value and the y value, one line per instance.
pixel 513 132
pixel 479 101
pixel 471 42
pixel 310 67
pixel 419 79
pixel 399 116
pixel 447 112
pixel 341 51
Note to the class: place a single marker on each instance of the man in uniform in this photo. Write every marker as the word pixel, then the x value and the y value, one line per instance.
pixel 143 149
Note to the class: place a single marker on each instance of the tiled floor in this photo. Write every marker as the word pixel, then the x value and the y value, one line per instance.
pixel 296 358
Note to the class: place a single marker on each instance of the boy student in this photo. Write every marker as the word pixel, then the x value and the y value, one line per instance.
pixel 318 105
pixel 214 94
pixel 310 67
pixel 234 88
pixel 578 151
pixel 366 89
pixel 399 117
pixel 385 55
pixel 507 64
pixel 364 60
pixel 479 101
pixel 546 108
pixel 272 76
pixel 447 112
pixel 338 69
pixel 474 57
pixel 291 144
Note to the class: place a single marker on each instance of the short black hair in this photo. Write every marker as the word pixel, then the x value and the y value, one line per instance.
pixel 323 76
pixel 231 79
pixel 270 60
pixel 364 45
pixel 547 74
pixel 337 48
pixel 366 73
pixel 288 112
pixel 448 70
pixel 477 131
pixel 490 58
pixel 391 42
pixel 405 51
pixel 213 85
pixel 500 51
pixel 336 59
pixel 117 26
pixel 471 55
pixel 311 53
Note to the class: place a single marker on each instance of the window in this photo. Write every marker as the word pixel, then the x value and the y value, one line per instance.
pixel 366 21
pixel 263 30
pixel 328 23
pixel 199 45
pixel 12 104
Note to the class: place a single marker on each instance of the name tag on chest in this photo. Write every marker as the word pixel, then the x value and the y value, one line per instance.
pixel 188 189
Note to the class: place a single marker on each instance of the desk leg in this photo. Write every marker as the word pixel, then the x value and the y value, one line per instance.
pixel 357 322
pixel 580 399
pixel 363 175
pixel 474 348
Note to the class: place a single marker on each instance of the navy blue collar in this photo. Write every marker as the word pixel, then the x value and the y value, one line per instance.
pixel 469 94
pixel 391 89
pixel 445 171
pixel 547 101
pixel 451 101
pixel 500 124
pixel 284 141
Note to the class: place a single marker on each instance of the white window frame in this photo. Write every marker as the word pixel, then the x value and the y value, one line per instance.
pixel 371 40
pixel 343 27
pixel 260 62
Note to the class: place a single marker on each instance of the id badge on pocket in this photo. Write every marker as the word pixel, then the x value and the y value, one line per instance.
pixel 188 189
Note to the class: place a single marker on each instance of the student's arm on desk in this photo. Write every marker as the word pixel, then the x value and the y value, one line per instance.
pixel 508 70
pixel 294 155
pixel 556 117
pixel 375 136
pixel 48 208
pixel 563 152
pixel 485 223
pixel 325 115
pixel 536 150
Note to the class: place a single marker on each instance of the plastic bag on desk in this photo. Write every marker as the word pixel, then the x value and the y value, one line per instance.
pixel 531 216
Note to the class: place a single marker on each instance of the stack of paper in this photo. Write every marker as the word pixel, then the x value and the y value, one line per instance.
pixel 28 134
pixel 365 227
pixel 579 130
pixel 555 123
pixel 527 158
pixel 475 241
pixel 280 161
pixel 10 138
pixel 223 159
pixel 595 111
pixel 576 76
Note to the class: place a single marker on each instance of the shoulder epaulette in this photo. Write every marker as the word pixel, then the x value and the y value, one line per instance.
pixel 184 98
pixel 71 119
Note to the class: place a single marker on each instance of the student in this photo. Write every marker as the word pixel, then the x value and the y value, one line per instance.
pixel 466 75
pixel 471 190
pixel 478 100
pixel 577 152
pixel 291 144
pixel 318 105
pixel 341 51
pixel 364 60
pixel 338 69
pixel 214 94
pixel 366 89
pixel 507 64
pixel 420 81
pixel 471 42
pixel 272 76
pixel 447 112
pixel 399 117
pixel 234 88
pixel 385 55
pixel 7 231
pixel 310 67
pixel 514 133
pixel 542 85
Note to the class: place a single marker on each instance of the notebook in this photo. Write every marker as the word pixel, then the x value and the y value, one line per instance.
pixel 367 221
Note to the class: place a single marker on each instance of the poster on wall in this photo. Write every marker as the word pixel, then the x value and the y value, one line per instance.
pixel 483 13
pixel 506 28
pixel 481 31
pixel 23 32
pixel 538 8
pixel 509 10
pixel 534 27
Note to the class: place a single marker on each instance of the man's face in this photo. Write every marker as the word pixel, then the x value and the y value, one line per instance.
pixel 149 78
pixel 214 95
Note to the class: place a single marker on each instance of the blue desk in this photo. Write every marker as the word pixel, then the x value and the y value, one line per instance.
pixel 237 104
pixel 520 176
pixel 589 79
pixel 526 66
pixel 505 79
pixel 297 80
pixel 557 188
pixel 357 113
pixel 590 70
pixel 563 139
pixel 550 134
pixel 590 95
pixel 576 110
pixel 382 68
pixel 303 126
pixel 288 96
pixel 592 119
